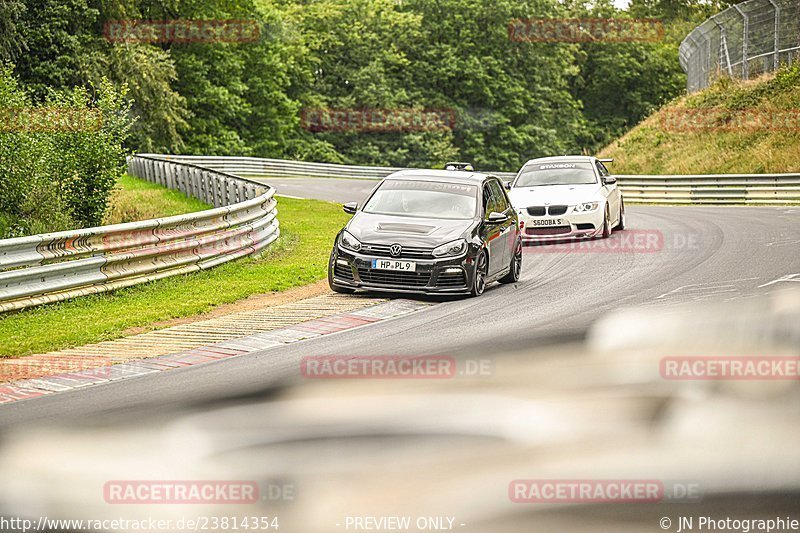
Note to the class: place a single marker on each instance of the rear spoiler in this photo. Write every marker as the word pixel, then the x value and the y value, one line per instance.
pixel 610 160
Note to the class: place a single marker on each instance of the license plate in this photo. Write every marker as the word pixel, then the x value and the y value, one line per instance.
pixel 548 222
pixel 390 264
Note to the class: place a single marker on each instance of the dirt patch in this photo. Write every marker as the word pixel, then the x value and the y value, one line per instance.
pixel 256 301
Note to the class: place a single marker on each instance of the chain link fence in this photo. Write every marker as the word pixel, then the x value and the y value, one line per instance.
pixel 741 42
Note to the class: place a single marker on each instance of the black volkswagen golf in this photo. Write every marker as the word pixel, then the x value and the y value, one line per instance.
pixel 431 232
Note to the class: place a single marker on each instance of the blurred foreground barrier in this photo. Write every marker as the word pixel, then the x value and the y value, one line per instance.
pixel 57 266
pixel 668 189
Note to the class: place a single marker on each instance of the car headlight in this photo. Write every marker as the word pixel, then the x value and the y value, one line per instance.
pixel 348 242
pixel 585 207
pixel 451 249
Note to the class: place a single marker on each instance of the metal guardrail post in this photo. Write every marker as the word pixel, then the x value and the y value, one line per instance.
pixel 723 43
pixel 777 42
pixel 745 64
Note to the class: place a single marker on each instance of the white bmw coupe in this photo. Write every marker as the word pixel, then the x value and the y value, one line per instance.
pixel 566 197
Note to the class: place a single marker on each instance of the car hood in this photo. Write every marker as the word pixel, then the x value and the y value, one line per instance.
pixel 522 197
pixel 423 232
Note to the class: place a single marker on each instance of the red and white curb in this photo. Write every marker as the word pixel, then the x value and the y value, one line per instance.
pixel 34 388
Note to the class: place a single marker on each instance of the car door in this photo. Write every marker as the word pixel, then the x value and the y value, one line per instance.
pixel 492 231
pixel 611 192
pixel 508 227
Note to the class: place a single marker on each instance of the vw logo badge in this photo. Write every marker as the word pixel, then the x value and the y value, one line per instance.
pixel 395 250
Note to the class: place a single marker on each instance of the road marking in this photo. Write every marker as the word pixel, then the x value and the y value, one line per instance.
pixel 787 278
pixel 785 242
pixel 705 289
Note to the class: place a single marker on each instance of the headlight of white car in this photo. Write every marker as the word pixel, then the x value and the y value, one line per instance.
pixel 451 249
pixel 349 242
pixel 585 207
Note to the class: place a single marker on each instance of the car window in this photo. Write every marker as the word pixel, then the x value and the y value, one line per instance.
pixel 487 200
pixel 493 203
pixel 501 204
pixel 601 168
pixel 425 199
pixel 539 174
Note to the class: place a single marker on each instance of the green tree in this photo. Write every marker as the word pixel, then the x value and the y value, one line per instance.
pixel 11 44
pixel 58 161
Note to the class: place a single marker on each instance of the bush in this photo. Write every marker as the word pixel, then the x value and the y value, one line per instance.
pixel 60 160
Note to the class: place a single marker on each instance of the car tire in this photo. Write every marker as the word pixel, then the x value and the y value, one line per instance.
pixel 479 277
pixel 332 285
pixel 606 228
pixel 515 267
pixel 621 224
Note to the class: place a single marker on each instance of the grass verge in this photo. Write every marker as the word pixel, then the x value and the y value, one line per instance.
pixel 299 257
pixel 134 199
pixel 754 128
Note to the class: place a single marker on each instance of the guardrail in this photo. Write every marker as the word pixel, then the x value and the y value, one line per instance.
pixel 256 167
pixel 717 189
pixel 57 266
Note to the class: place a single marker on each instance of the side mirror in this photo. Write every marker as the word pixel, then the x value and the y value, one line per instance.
pixel 507 185
pixel 497 218
pixel 350 207
pixel 609 180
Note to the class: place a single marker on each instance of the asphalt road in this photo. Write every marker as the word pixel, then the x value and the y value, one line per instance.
pixel 701 253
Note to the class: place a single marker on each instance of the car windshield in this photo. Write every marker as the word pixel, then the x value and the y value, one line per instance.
pixel 424 199
pixel 565 173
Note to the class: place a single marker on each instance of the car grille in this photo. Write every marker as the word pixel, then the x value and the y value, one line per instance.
pixel 343 272
pixel 394 277
pixel 548 230
pixel 540 210
pixel 409 252
pixel 451 279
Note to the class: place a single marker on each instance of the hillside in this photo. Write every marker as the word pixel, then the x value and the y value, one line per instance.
pixel 731 127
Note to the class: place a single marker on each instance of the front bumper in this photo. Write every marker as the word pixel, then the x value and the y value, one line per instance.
pixel 451 275
pixel 570 225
